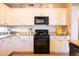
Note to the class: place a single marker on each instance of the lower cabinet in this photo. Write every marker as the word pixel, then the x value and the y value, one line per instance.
pixel 16 44
pixel 24 44
pixel 5 47
pixel 64 45
pixel 59 45
pixel 54 46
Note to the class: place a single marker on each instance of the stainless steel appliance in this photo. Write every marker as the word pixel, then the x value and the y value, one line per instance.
pixel 41 20
pixel 41 42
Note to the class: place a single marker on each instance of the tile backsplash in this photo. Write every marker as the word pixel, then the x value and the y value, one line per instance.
pixel 30 29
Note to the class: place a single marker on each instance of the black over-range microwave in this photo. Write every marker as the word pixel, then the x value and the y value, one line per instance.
pixel 41 20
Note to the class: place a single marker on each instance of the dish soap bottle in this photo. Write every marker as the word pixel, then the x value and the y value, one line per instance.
pixel 30 31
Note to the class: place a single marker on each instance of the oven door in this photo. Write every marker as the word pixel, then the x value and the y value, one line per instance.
pixel 41 45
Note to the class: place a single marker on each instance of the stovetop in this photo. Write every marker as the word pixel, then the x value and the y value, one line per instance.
pixel 41 32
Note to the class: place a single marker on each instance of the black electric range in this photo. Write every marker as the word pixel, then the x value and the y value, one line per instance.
pixel 41 42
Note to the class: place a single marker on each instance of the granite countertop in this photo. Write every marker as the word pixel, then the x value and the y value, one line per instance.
pixel 75 42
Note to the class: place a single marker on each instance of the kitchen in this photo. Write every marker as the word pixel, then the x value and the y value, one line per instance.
pixel 37 29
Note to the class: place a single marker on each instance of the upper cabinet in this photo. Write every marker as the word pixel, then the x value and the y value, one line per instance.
pixel 20 16
pixel 25 16
pixel 5 14
pixel 58 17
pixel 2 14
pixel 8 16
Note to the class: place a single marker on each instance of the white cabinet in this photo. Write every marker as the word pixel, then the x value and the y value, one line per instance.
pixel 2 14
pixel 8 17
pixel 54 46
pixel 5 14
pixel 64 46
pixel 22 16
pixel 2 47
pixel 57 16
pixel 59 44
pixel 23 43
pixel 16 43
pixel 12 42
pixel 27 44
pixel 25 16
pixel 5 47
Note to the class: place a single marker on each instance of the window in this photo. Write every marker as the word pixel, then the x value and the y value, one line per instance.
pixel 3 29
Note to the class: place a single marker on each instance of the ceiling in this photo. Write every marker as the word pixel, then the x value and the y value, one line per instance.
pixel 26 5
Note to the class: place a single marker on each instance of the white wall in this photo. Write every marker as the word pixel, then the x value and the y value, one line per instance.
pixel 74 23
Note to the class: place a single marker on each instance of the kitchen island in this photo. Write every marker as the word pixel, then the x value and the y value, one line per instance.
pixel 74 47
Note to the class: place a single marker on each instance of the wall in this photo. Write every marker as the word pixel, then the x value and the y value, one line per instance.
pixel 78 23
pixel 74 23
pixel 69 7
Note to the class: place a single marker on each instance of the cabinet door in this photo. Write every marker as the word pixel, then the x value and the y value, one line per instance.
pixel 12 42
pixel 23 16
pixel 5 14
pixel 24 44
pixel 27 43
pixel 54 45
pixel 30 44
pixel 8 16
pixel 61 17
pixel 59 44
pixel 58 16
pixel 2 14
pixel 64 45
pixel 17 44
pixel 4 47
